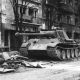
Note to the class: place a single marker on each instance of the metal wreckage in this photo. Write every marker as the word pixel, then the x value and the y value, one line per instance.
pixel 9 61
pixel 54 43
pixel 12 61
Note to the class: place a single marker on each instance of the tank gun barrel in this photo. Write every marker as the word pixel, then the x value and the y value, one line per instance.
pixel 40 33
pixel 18 34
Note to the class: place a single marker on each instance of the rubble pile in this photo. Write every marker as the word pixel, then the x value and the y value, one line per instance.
pixel 10 61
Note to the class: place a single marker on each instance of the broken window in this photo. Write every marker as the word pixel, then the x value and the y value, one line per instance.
pixel 76 21
pixel 68 20
pixel 24 10
pixel 60 18
pixel 20 9
pixel 71 2
pixel 64 1
pixel 76 2
pixel 35 13
pixel 30 11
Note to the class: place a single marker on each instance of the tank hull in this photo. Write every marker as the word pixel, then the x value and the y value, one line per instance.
pixel 37 52
pixel 54 43
pixel 43 53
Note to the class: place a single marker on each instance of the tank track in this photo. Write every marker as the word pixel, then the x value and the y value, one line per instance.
pixel 63 53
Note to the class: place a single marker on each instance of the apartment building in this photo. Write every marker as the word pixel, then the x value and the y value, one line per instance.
pixel 32 14
pixel 6 18
pixel 31 20
pixel 67 16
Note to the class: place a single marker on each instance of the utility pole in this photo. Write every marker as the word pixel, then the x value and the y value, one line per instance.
pixel 16 15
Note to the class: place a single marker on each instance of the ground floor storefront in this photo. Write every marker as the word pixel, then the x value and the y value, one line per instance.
pixel 7 37
pixel 9 41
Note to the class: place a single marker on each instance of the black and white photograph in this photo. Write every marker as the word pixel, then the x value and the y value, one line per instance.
pixel 39 39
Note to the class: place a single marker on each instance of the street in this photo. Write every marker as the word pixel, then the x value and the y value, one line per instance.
pixel 65 70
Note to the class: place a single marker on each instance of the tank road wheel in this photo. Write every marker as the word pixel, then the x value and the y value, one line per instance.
pixel 63 55
pixel 23 52
pixel 76 53
pixel 79 54
pixel 50 52
pixel 68 54
pixel 58 52
pixel 72 53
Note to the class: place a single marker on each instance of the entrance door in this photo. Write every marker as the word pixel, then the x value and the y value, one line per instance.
pixel 12 40
pixel 6 38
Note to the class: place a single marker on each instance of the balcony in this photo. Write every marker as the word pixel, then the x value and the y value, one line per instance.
pixel 66 7
pixel 37 20
pixel 26 18
pixel 31 19
pixel 35 1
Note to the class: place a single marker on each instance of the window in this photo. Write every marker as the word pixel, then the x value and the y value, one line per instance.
pixel 47 1
pixel 24 10
pixel 70 2
pixel 76 2
pixel 30 11
pixel 59 18
pixel 20 9
pixel 35 13
pixel 76 21
pixel 68 20
pixel 64 1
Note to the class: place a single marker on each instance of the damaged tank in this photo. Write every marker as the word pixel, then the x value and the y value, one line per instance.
pixel 54 43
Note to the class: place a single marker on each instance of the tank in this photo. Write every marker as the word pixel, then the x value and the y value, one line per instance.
pixel 54 43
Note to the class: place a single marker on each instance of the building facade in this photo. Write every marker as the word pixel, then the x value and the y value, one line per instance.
pixel 6 18
pixel 67 16
pixel 31 20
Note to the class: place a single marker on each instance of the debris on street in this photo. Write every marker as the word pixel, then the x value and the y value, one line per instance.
pixel 10 61
pixel 33 64
pixel 3 70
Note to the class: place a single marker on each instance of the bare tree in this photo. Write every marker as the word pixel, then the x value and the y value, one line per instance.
pixel 18 17
pixel 51 10
pixel 15 11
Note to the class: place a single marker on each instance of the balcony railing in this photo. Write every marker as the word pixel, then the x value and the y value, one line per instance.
pixel 26 17
pixel 66 22
pixel 66 7
pixel 35 1
pixel 37 20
